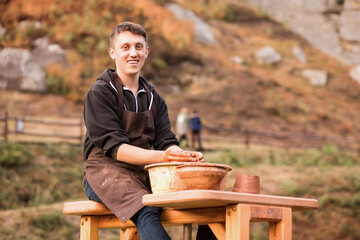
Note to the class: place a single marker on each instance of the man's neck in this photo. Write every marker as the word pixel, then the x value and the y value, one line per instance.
pixel 131 82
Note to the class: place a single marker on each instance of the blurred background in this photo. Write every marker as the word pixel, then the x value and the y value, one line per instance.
pixel 275 83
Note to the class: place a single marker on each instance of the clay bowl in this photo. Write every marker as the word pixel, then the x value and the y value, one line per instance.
pixel 203 175
pixel 177 176
pixel 164 177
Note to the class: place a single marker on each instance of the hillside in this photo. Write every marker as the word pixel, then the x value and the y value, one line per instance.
pixel 200 76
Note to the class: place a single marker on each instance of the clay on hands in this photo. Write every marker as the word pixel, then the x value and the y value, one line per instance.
pixel 182 156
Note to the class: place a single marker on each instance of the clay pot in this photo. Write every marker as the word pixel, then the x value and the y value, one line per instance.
pixel 247 184
pixel 177 176
pixel 164 177
pixel 203 175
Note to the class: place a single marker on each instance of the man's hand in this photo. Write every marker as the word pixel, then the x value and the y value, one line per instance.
pixel 175 155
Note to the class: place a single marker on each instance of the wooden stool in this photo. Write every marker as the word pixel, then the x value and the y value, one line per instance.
pixel 95 216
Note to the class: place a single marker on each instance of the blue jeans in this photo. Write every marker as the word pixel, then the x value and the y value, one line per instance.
pixel 146 220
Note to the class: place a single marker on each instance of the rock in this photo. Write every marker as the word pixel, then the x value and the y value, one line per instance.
pixel 237 59
pixel 316 6
pixel 203 32
pixel 355 73
pixel 27 23
pixel 352 5
pixel 20 71
pixel 299 54
pixel 46 54
pixel 267 55
pixel 316 77
pixel 349 25
pixel 322 35
pixel 2 31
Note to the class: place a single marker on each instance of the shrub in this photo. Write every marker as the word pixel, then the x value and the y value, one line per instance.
pixel 13 155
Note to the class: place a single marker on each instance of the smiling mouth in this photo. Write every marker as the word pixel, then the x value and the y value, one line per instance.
pixel 133 61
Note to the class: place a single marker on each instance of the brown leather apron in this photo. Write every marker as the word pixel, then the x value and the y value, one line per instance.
pixel 121 185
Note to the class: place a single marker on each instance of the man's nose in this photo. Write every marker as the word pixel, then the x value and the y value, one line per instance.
pixel 133 51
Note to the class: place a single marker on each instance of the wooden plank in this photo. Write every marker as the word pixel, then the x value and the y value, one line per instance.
pixel 85 208
pixel 89 228
pixel 238 222
pixel 213 198
pixel 219 230
pixel 265 213
pixel 172 217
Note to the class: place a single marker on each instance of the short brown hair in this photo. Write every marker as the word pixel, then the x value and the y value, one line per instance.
pixel 127 26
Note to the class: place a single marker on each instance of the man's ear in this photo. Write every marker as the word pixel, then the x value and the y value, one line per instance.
pixel 112 53
pixel 147 52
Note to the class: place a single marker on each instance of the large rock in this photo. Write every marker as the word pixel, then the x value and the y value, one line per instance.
pixel 316 77
pixel 318 30
pixel 18 70
pixel 355 74
pixel 24 70
pixel 350 25
pixel 352 5
pixel 267 55
pixel 203 32
pixel 45 53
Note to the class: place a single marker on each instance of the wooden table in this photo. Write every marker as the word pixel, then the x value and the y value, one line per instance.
pixel 229 214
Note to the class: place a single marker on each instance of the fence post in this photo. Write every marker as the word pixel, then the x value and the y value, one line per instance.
pixel 358 145
pixel 6 130
pixel 81 131
pixel 247 138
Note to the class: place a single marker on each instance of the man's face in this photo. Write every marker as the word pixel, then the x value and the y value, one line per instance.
pixel 129 52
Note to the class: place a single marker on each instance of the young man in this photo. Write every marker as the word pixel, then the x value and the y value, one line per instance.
pixel 125 117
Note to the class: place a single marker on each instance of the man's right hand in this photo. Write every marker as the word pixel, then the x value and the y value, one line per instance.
pixel 172 155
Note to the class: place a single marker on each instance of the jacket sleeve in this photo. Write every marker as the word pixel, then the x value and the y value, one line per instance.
pixel 164 137
pixel 103 121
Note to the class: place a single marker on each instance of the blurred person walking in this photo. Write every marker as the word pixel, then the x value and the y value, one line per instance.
pixel 195 123
pixel 182 126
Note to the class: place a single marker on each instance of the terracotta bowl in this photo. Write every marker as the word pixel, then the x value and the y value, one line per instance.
pixel 164 177
pixel 203 175
pixel 177 176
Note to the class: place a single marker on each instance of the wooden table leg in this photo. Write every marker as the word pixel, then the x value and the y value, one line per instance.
pixel 89 228
pixel 187 232
pixel 219 230
pixel 130 233
pixel 282 230
pixel 238 222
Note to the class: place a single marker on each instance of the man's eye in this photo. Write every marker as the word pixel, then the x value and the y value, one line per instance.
pixel 125 47
pixel 139 46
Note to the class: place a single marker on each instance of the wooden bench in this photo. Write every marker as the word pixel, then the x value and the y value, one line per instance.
pixel 95 216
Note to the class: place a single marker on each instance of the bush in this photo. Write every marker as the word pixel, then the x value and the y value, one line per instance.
pixel 13 155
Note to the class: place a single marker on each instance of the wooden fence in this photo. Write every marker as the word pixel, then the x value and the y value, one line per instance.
pixel 72 131
pixel 41 130
pixel 287 140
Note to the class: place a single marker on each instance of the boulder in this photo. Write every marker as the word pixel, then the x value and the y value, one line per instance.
pixel 45 53
pixel 203 32
pixel 267 55
pixel 316 77
pixel 352 5
pixel 349 25
pixel 355 73
pixel 299 54
pixel 18 70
